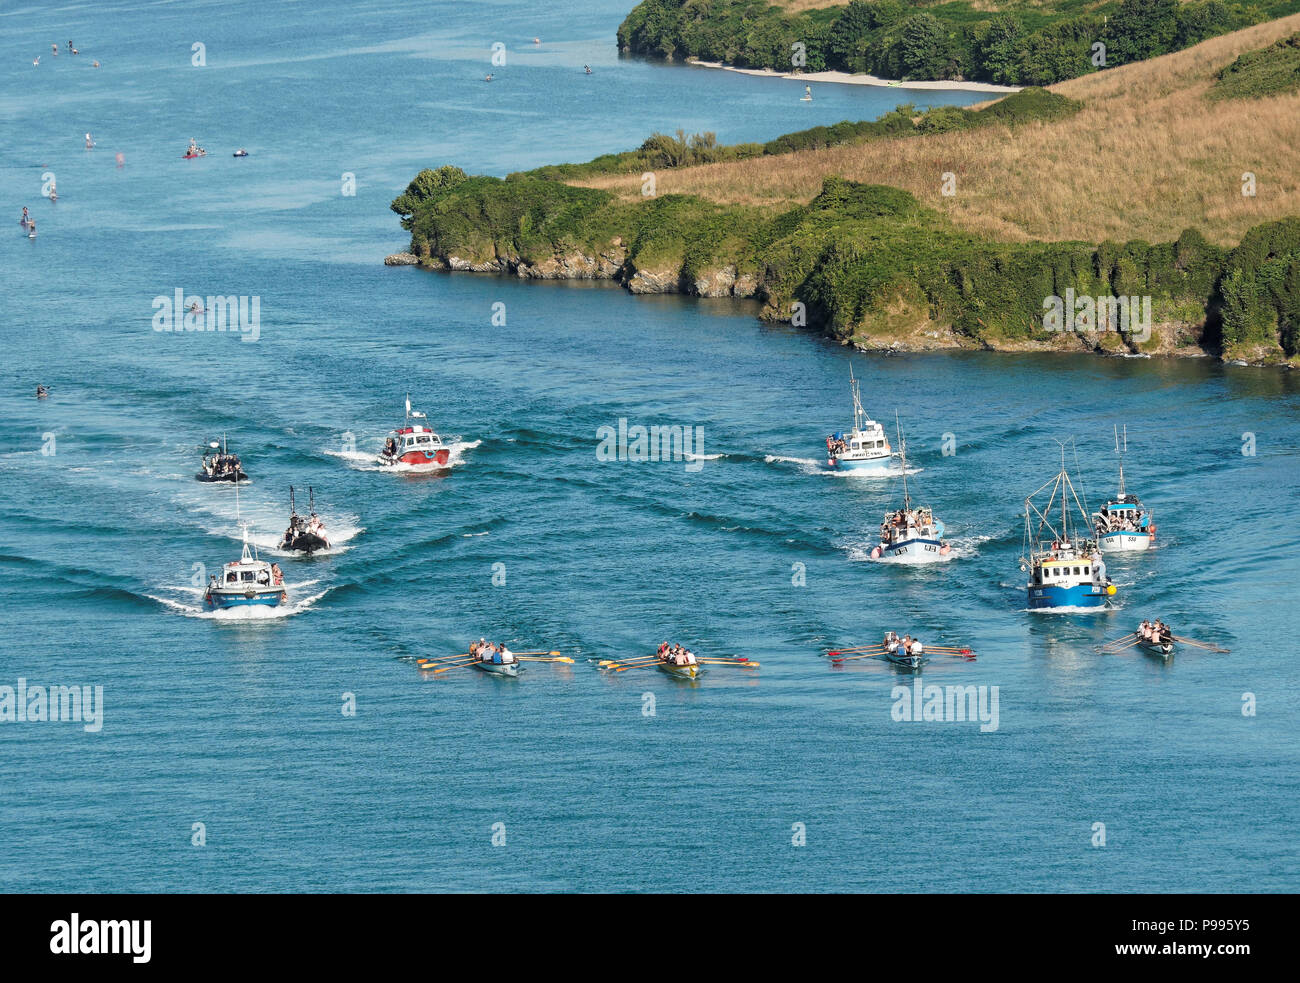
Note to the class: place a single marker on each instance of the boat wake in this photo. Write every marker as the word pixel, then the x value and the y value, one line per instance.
pixel 364 461
pixel 249 613
pixel 808 465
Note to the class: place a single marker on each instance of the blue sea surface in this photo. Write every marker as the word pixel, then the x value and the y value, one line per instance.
pixel 566 779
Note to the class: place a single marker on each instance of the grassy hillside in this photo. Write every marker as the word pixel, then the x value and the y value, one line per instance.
pixel 1013 42
pixel 1102 186
pixel 1149 154
pixel 1261 73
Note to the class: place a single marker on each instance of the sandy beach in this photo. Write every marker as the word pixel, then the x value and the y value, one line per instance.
pixel 845 78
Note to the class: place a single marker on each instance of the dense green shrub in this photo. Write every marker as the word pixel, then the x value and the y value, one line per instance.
pixel 1032 45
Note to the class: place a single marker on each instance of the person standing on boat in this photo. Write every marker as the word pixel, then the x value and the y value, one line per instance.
pixel 26 218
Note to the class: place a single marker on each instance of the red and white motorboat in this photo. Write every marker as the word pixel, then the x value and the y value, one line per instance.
pixel 414 445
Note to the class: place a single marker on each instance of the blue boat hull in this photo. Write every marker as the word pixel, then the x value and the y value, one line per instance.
pixel 1080 596
pixel 223 601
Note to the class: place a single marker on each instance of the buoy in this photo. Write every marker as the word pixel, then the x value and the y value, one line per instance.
pixel 1110 589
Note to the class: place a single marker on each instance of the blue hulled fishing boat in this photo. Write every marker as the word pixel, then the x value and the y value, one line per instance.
pixel 1066 570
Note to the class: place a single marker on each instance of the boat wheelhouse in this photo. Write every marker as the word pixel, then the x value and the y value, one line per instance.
pixel 414 445
pixel 1066 571
pixel 1123 524
pixel 910 535
pixel 865 448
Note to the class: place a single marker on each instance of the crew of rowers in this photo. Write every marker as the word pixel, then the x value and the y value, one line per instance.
pixel 1155 632
pixel 898 522
pixel 675 655
pixel 907 645
pixel 299 527
pixel 222 465
pixel 485 651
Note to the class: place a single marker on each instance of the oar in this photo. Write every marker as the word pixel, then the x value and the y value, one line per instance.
pixel 1116 649
pixel 853 648
pixel 612 663
pixel 869 655
pixel 1128 639
pixel 534 653
pixel 746 664
pixel 525 658
pixel 1200 645
pixel 641 665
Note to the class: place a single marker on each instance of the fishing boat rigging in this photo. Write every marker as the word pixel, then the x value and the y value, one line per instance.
pixel 865 448
pixel 1066 569
pixel 1123 524
pixel 908 534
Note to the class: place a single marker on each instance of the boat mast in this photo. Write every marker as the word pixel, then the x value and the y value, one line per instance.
pixel 858 412
pixel 1121 458
pixel 902 451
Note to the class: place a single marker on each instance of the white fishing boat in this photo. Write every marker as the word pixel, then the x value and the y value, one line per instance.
pixel 910 535
pixel 1066 570
pixel 864 449
pixel 1123 525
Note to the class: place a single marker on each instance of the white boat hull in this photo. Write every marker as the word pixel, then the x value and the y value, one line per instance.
pixel 1124 542
pixel 862 465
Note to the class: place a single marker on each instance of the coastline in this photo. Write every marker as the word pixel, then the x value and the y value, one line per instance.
pixel 845 78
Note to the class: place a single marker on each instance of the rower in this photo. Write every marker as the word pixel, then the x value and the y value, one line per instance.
pixel 916 648
pixel 890 643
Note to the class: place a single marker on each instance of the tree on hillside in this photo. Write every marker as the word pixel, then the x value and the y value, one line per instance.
pixel 427 184
pixel 923 48
pixel 1141 29
pixel 1001 50
pixel 848 40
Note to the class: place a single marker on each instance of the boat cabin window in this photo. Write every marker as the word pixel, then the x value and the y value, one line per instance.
pixel 246 575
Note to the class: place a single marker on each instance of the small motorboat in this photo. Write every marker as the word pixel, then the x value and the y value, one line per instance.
pixel 679 662
pixel 247 582
pixel 221 465
pixel 304 535
pixel 414 445
pixel 241 152
pixel 496 660
pixel 188 155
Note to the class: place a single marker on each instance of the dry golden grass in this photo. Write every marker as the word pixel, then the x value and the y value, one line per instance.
pixel 1147 157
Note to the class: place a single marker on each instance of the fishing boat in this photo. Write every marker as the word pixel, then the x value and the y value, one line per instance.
pixel 304 535
pixel 907 534
pixel 865 449
pixel 496 660
pixel 247 582
pixel 1066 570
pixel 414 445
pixel 221 465
pixel 1123 525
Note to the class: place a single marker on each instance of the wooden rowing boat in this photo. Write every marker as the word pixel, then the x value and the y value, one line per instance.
pixel 499 668
pixel 904 659
pixel 681 672
pixel 1162 649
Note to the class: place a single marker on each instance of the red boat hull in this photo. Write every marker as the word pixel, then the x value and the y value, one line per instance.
pixel 419 458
